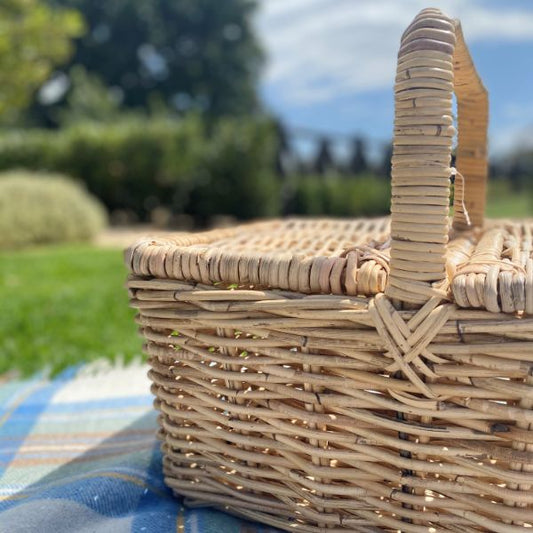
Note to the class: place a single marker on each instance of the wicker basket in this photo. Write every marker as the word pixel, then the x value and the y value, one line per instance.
pixel 357 375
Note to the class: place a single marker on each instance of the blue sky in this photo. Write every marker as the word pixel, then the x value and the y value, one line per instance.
pixel 331 63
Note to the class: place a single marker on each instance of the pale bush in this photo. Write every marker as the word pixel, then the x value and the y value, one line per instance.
pixel 39 208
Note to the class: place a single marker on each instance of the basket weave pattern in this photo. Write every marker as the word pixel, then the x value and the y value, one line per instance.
pixel 363 375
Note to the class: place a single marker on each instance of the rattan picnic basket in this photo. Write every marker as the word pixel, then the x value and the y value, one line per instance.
pixel 357 375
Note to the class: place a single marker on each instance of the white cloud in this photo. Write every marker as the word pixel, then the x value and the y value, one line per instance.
pixel 321 49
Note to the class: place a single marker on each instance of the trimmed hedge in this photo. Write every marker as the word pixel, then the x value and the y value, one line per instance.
pixel 137 165
pixel 46 208
pixel 234 175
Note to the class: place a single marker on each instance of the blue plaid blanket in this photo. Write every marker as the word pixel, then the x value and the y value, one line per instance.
pixel 78 454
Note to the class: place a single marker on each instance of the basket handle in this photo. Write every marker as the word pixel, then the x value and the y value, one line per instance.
pixel 433 62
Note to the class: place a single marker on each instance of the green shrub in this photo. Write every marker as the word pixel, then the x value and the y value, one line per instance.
pixel 38 208
pixel 32 149
pixel 234 175
pixel 137 165
pixel 344 196
pixel 133 165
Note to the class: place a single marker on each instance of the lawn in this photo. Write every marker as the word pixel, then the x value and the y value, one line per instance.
pixel 62 305
pixel 502 201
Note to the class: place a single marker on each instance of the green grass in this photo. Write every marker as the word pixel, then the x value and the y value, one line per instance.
pixel 63 305
pixel 502 201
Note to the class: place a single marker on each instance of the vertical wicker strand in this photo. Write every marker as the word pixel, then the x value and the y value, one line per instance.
pixel 525 403
pixel 406 454
pixel 423 133
pixel 425 420
pixel 315 408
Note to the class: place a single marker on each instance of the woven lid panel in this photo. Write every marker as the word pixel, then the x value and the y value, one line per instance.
pixel 491 269
pixel 309 256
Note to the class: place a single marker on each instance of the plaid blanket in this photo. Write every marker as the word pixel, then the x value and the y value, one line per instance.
pixel 78 454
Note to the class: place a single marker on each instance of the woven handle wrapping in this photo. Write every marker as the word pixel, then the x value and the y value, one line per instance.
pixel 433 62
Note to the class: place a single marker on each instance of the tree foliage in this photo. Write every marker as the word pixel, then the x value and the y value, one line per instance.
pixel 33 39
pixel 192 55
pixel 88 99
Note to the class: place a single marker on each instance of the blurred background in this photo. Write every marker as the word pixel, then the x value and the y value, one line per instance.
pixel 133 115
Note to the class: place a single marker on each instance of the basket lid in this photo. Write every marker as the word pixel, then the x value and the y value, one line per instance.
pixel 490 269
pixel 302 255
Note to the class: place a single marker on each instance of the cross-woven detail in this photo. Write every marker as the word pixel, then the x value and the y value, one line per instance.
pixel 407 342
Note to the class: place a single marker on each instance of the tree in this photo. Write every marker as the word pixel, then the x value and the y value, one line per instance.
pixel 88 99
pixel 33 39
pixel 283 149
pixel 384 168
pixel 323 162
pixel 199 55
pixel 358 160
